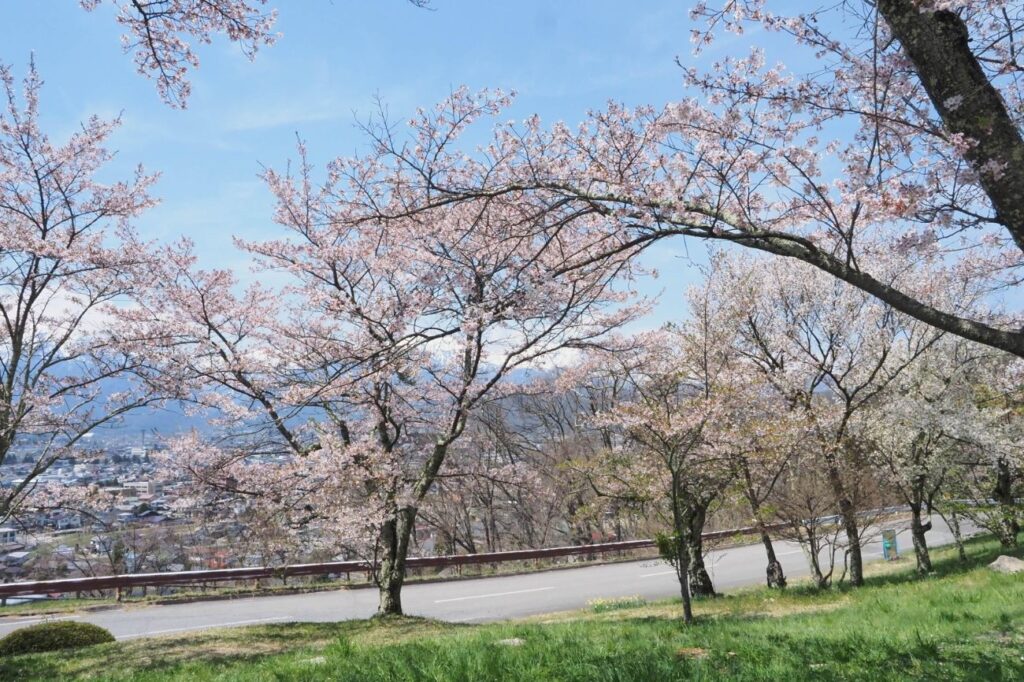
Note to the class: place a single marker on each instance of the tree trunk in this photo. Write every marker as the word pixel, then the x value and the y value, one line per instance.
pixel 683 539
pixel 1007 534
pixel 1008 526
pixel 814 559
pixel 395 535
pixel 917 530
pixel 682 572
pixel 820 579
pixel 774 573
pixel 954 525
pixel 391 573
pixel 937 42
pixel 700 581
pixel 853 543
pixel 848 513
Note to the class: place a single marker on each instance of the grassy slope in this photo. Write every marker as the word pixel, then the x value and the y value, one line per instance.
pixel 965 623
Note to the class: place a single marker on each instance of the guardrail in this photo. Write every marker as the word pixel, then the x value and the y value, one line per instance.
pixel 225 574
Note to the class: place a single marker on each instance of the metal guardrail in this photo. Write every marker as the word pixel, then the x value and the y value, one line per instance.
pixel 108 582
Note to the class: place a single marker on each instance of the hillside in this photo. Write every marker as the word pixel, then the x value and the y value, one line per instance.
pixel 964 623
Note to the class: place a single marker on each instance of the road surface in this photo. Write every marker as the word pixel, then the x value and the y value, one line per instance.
pixel 476 600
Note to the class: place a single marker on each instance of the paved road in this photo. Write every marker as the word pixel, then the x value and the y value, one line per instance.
pixel 477 600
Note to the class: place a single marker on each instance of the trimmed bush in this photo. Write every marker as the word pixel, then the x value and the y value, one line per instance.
pixel 53 636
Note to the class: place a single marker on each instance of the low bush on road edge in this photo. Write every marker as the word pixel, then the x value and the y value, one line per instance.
pixel 53 636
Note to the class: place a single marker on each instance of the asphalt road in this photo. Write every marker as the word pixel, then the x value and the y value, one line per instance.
pixel 477 600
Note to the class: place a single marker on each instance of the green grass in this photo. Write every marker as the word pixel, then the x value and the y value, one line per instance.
pixel 615 603
pixel 33 608
pixel 964 623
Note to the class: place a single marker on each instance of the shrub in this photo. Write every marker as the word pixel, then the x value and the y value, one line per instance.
pixel 52 636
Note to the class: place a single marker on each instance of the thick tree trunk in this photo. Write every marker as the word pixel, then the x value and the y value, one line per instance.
pixel 396 533
pixel 1006 531
pixel 917 530
pixel 390 584
pixel 682 572
pixel 1008 526
pixel 683 539
pixel 775 576
pixel 700 580
pixel 938 45
pixel 853 542
pixel 395 536
pixel 1007 538
pixel 848 514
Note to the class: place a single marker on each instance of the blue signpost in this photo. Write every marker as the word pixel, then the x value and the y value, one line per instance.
pixel 889 550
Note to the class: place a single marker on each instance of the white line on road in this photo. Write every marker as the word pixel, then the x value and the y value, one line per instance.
pixel 488 596
pixel 651 575
pixel 35 620
pixel 206 627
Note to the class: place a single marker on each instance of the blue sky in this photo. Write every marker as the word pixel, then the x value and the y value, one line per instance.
pixel 333 57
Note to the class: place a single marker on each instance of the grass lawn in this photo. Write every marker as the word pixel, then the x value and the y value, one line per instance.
pixel 34 608
pixel 964 623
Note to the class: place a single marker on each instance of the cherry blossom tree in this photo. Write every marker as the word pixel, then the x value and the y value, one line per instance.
pixel 900 147
pixel 763 437
pixel 763 430
pixel 68 255
pixel 491 486
pixel 282 455
pixel 829 350
pixel 565 446
pixel 364 371
pixel 917 433
pixel 804 502
pixel 830 165
pixel 987 478
pixel 667 455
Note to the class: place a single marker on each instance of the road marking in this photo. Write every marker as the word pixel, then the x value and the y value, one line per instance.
pixel 206 627
pixel 796 551
pixel 488 596
pixel 651 575
pixel 35 620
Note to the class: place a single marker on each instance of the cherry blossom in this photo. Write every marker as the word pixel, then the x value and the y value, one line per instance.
pixel 157 32
pixel 68 256
pixel 846 159
pixel 362 372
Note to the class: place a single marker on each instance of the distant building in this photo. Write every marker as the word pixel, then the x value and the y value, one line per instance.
pixel 8 536
pixel 140 487
pixel 16 558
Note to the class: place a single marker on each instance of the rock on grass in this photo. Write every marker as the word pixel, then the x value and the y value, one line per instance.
pixel 1007 564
